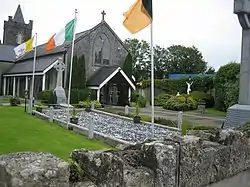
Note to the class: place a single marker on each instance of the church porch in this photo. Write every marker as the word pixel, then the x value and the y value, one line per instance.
pixel 111 86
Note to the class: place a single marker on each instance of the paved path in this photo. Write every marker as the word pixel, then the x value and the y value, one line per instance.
pixel 201 119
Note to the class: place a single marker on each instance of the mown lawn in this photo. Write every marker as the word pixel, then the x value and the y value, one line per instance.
pixel 22 132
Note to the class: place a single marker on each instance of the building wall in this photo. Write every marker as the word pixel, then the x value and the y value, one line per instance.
pixel 4 67
pixel 112 49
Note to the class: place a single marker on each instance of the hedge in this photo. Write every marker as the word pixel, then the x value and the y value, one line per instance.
pixel 181 103
pixel 172 86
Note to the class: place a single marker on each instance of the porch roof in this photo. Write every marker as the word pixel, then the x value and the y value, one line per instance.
pixel 43 64
pixel 104 75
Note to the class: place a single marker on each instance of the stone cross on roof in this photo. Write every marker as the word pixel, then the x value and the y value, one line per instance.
pixel 103 15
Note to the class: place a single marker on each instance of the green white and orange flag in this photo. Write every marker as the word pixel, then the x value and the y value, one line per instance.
pixel 65 34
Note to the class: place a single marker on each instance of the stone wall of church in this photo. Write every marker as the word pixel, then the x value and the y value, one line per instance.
pixel 4 67
pixel 101 48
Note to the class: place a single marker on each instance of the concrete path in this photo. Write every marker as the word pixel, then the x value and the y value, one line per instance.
pixel 201 119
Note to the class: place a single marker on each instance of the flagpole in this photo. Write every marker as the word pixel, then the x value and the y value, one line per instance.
pixel 33 79
pixel 152 79
pixel 71 62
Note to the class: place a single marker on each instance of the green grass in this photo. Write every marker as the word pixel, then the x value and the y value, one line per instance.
pixel 215 112
pixel 22 132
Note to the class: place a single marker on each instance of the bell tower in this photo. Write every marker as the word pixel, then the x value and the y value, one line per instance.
pixel 16 31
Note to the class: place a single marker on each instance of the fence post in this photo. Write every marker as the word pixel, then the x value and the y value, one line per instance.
pixel 91 128
pixel 180 114
pixel 51 113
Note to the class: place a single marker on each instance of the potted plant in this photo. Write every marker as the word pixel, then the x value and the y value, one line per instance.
pixel 137 118
pixel 39 107
pixel 74 119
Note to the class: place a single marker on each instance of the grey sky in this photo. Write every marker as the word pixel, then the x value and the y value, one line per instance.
pixel 210 25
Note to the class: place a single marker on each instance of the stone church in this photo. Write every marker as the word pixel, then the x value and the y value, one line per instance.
pixel 104 54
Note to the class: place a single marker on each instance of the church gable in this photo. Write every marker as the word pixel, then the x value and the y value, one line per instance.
pixel 101 47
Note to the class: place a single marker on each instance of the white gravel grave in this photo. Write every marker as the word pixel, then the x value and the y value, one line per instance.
pixel 116 127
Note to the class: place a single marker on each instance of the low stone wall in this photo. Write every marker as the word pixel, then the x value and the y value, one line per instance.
pixel 195 160
pixel 191 161
pixel 112 141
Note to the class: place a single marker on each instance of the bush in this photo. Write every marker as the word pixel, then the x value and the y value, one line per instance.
pixel 142 102
pixel 132 104
pixel 227 86
pixel 45 96
pixel 172 86
pixel 87 104
pixel 14 101
pixel 201 96
pixel 161 99
pixel 134 96
pixel 78 95
pixel 181 103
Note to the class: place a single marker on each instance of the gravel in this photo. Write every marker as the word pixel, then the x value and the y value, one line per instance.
pixel 117 127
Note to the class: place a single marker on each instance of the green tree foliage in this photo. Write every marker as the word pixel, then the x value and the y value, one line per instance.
pixel 227 86
pixel 174 59
pixel 183 59
pixel 79 73
pixel 140 57
pixel 127 67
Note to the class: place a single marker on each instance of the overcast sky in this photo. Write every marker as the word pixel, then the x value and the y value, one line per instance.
pixel 210 25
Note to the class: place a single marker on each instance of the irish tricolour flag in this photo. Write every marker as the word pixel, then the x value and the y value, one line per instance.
pixel 65 34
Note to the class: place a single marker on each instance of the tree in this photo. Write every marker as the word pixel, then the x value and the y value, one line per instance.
pixel 78 73
pixel 160 62
pixel 227 86
pixel 183 59
pixel 139 51
pixel 210 70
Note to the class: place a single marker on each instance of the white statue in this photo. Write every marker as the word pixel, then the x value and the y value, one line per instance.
pixel 189 87
pixel 178 94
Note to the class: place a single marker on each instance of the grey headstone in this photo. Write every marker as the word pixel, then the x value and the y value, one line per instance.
pixel 91 129
pixel 180 114
pixel 126 110
pixel 51 113
pixel 237 115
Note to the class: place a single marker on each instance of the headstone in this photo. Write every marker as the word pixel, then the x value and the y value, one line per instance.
pixel 51 113
pixel 92 105
pixel 180 114
pixel 239 114
pixel 91 129
pixel 59 91
pixel 126 110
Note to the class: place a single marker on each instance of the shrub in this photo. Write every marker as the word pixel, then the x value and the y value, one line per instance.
pixel 14 101
pixel 132 104
pixel 161 99
pixel 142 102
pixel 201 96
pixel 172 86
pixel 134 96
pixel 181 103
pixel 84 104
pixel 87 104
pixel 227 85
pixel 45 96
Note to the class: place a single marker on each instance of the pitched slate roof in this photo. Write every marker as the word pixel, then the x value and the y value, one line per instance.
pixel 27 66
pixel 7 53
pixel 18 15
pixel 100 75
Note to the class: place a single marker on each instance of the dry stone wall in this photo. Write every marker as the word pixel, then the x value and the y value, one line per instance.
pixel 196 160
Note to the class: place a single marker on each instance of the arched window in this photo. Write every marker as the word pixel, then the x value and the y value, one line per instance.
pixel 102 50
